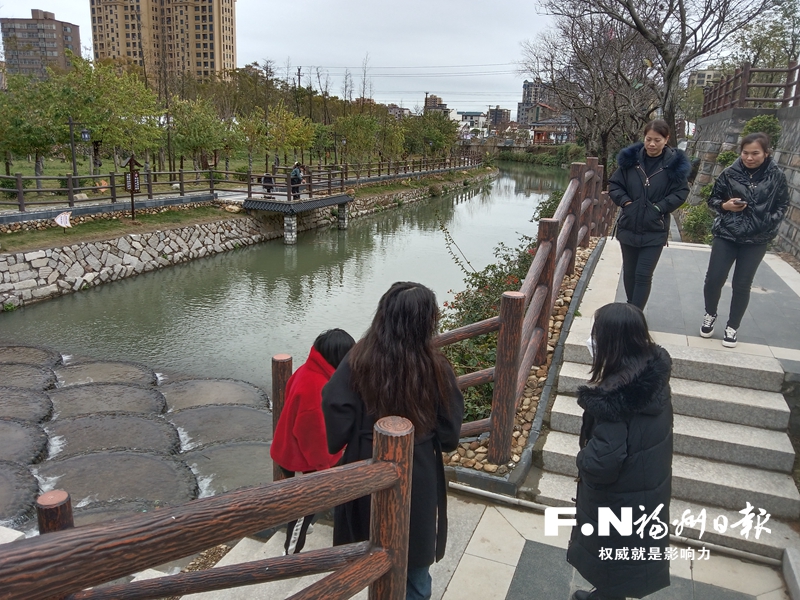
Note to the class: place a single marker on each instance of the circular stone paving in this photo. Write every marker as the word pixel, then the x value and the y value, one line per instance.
pixel 18 491
pixel 110 431
pixel 225 467
pixel 27 376
pixel 105 372
pixel 29 355
pixel 105 476
pixel 93 398
pixel 205 425
pixel 199 392
pixel 28 405
pixel 21 442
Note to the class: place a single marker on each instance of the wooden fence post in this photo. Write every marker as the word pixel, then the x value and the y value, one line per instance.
pixel 211 181
pixel 548 232
pixel 504 399
pixel 587 218
pixel 112 177
pixel 791 80
pixel 20 193
pixel 249 184
pixel 70 192
pixel 576 170
pixel 281 371
pixel 54 511
pixel 390 513
pixel 744 86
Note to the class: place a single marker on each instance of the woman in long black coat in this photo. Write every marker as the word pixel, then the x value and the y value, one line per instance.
pixel 625 460
pixel 649 184
pixel 395 370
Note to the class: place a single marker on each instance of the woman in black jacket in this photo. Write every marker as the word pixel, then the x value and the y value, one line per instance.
pixel 625 460
pixel 395 370
pixel 750 198
pixel 649 184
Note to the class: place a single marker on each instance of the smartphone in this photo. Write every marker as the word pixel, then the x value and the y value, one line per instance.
pixel 739 202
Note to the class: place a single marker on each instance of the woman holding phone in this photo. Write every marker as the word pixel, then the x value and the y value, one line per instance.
pixel 750 198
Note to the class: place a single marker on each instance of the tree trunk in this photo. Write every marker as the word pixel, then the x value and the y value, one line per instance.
pixel 39 170
pixel 249 161
pixel 8 163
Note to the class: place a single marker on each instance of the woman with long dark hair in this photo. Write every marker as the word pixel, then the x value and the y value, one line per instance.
pixel 649 184
pixel 396 370
pixel 625 458
pixel 750 198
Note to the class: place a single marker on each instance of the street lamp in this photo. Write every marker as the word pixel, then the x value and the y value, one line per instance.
pixel 85 136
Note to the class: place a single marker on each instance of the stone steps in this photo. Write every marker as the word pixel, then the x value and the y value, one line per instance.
pixel 703 438
pixel 743 406
pixel 553 489
pixel 696 364
pixel 699 480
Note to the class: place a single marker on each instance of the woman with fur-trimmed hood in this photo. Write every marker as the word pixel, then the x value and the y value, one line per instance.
pixel 625 459
pixel 649 184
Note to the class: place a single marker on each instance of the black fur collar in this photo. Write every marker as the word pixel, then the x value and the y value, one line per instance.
pixel 676 163
pixel 645 390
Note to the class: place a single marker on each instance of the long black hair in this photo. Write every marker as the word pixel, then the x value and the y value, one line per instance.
pixel 333 344
pixel 395 367
pixel 620 337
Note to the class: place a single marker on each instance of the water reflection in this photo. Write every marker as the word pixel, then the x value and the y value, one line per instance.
pixel 226 315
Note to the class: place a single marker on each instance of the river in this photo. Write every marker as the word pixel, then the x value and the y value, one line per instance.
pixel 227 315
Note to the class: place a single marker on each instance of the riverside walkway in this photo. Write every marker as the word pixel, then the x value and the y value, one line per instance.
pixel 497 551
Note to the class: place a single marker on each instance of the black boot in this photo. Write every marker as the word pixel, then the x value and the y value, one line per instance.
pixel 593 595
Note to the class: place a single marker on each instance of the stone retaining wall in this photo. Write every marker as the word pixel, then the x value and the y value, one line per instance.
pixel 27 277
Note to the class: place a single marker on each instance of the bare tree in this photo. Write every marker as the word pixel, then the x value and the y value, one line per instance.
pixel 681 32
pixel 366 83
pixel 595 70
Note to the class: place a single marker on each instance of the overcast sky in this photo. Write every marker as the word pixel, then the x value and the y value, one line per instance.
pixel 462 50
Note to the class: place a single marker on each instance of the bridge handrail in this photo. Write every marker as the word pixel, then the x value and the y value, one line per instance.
pixel 64 563
pixel 523 322
pixel 734 91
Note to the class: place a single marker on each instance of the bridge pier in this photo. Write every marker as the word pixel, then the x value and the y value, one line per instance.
pixel 290 229
pixel 343 216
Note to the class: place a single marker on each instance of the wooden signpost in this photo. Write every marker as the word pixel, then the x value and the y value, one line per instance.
pixel 132 181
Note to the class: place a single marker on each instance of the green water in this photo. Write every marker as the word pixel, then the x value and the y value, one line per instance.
pixel 227 315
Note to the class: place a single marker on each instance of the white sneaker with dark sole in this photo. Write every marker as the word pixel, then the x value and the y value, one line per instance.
pixel 707 328
pixel 729 339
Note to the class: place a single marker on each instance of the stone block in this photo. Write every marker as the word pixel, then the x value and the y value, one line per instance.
pixel 34 255
pixel 129 259
pixel 39 262
pixel 45 272
pixel 76 270
pixel 137 246
pixel 145 256
pixel 26 284
pixel 6 287
pixel 123 245
pixel 112 260
pixel 29 274
pixel 45 292
pixel 791 571
pixel 18 267
pixel 64 285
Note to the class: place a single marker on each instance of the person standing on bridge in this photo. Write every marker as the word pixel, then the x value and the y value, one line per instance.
pixel 750 198
pixel 296 179
pixel 396 370
pixel 299 442
pixel 649 184
pixel 625 459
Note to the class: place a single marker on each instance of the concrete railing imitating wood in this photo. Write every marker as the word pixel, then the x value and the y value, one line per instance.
pixel 64 564
pixel 523 322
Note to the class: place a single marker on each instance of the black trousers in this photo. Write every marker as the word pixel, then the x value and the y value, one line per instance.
pixel 638 265
pixel 723 254
pixel 296 530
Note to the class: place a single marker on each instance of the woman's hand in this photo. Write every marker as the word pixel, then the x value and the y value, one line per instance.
pixel 734 205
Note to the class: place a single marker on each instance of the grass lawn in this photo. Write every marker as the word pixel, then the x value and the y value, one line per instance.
pixel 23 241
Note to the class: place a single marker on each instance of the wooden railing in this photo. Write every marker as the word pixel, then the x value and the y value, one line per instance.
pixel 739 90
pixel 320 180
pixel 523 322
pixel 63 564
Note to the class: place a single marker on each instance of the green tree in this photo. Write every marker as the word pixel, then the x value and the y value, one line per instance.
pixel 430 133
pixel 197 128
pixel 253 128
pixel 361 132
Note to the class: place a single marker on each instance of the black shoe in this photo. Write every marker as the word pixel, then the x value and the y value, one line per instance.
pixel 729 339
pixel 707 328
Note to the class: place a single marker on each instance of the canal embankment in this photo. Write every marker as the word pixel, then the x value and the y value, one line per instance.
pixel 40 274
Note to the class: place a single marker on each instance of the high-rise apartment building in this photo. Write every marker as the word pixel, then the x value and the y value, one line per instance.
pixel 32 45
pixel 167 37
pixel 534 95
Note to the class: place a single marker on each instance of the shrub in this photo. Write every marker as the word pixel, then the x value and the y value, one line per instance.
pixel 481 300
pixel 241 173
pixel 705 191
pixel 435 189
pixel 10 183
pixel 727 158
pixel 768 124
pixel 697 223
pixel 547 208
pixel 77 182
pixel 549 156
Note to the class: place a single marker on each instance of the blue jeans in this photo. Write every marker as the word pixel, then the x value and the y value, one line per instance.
pixel 418 584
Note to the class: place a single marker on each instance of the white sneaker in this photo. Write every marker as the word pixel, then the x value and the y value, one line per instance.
pixel 707 328
pixel 729 340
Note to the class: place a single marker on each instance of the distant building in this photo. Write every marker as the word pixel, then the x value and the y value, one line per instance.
pixel 704 78
pixel 475 120
pixel 32 45
pixel 498 116
pixel 167 37
pixel 398 112
pixel 434 104
pixel 534 93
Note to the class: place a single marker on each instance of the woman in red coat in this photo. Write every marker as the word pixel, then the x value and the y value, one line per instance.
pixel 300 442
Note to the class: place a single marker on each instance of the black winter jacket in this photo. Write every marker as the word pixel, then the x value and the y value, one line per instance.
pixel 767 197
pixel 645 222
pixel 625 461
pixel 348 422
